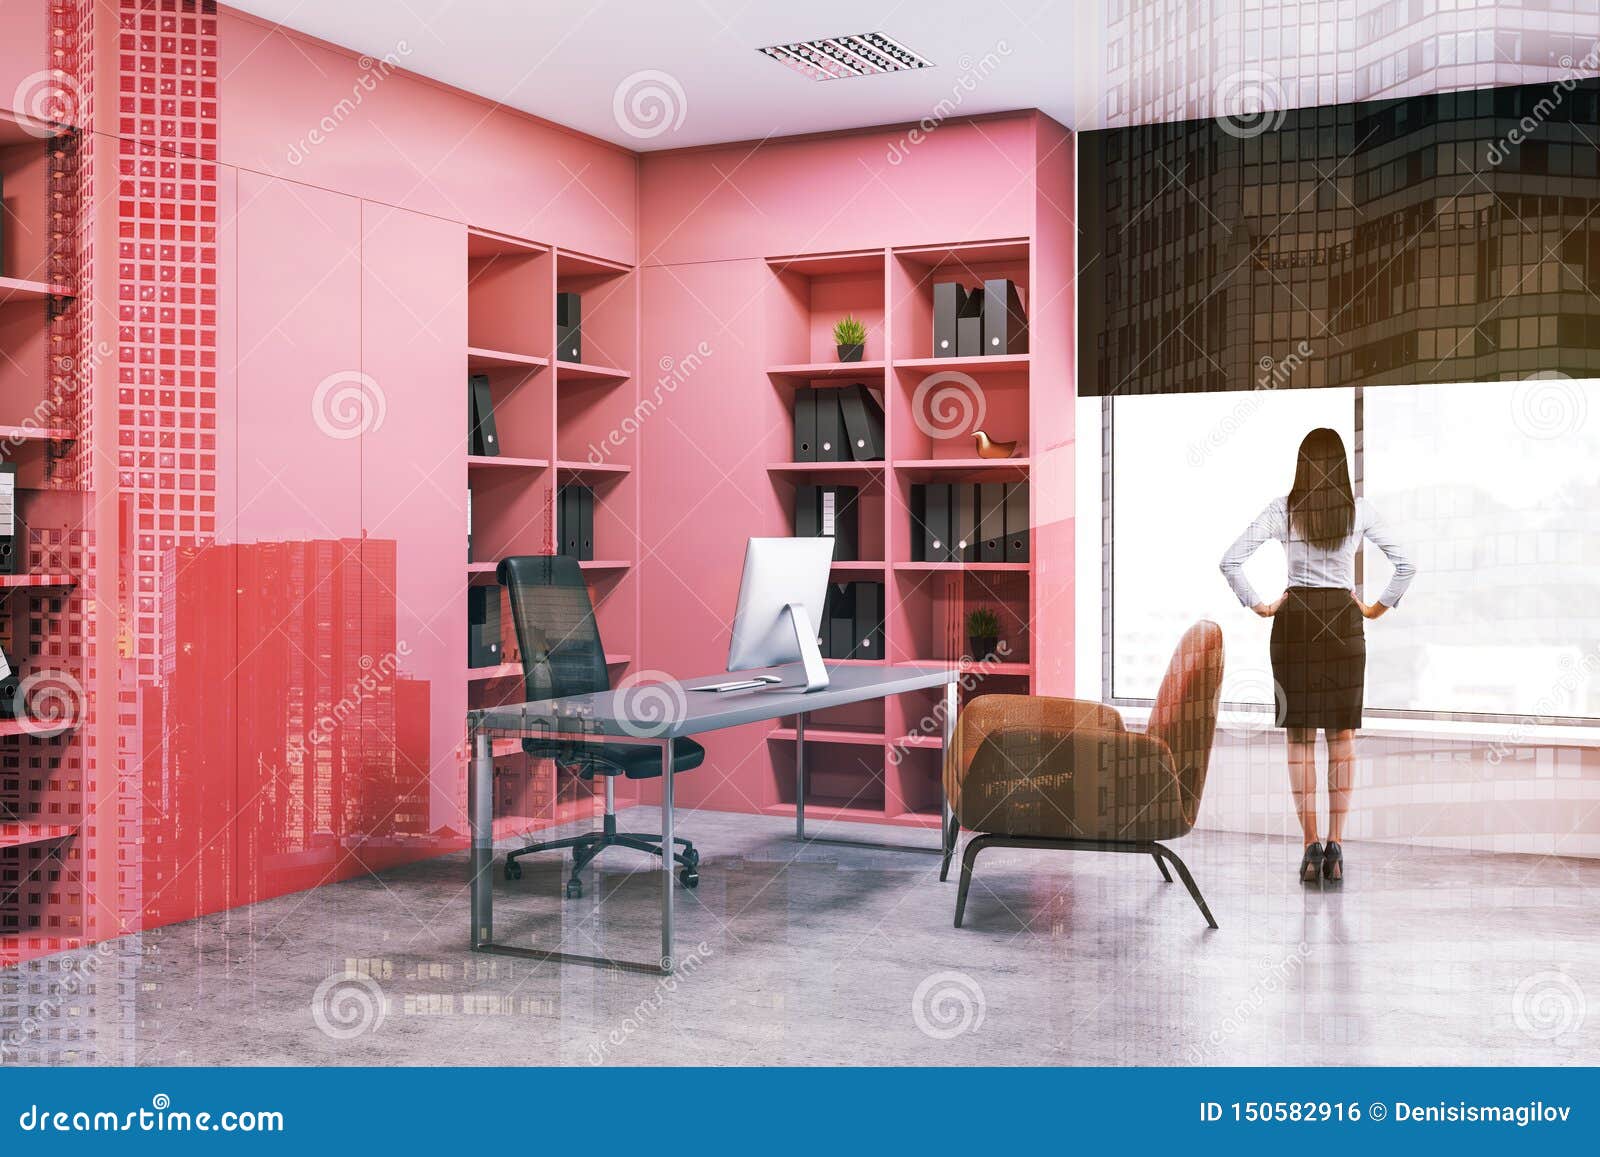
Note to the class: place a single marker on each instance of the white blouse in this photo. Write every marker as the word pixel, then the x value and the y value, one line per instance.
pixel 1316 566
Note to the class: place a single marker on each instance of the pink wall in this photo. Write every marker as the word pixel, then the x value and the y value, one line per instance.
pixel 710 219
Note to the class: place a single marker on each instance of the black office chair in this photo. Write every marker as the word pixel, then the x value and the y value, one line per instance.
pixel 562 655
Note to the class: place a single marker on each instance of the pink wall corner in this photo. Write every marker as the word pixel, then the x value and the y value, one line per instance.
pixel 1052 393
pixel 704 450
pixel 296 107
pixel 966 180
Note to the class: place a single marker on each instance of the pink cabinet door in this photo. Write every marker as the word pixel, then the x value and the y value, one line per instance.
pixel 414 525
pixel 302 408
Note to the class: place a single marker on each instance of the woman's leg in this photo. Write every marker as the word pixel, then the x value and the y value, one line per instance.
pixel 1341 779
pixel 1303 778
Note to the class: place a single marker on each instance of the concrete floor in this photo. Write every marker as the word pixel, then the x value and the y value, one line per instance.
pixel 831 955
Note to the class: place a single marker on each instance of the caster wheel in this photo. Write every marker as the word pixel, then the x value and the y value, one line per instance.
pixel 691 859
pixel 689 877
pixel 513 870
pixel 574 890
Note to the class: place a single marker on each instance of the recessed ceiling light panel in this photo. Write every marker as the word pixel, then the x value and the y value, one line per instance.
pixel 838 57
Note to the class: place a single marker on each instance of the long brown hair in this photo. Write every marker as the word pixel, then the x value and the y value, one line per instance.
pixel 1322 505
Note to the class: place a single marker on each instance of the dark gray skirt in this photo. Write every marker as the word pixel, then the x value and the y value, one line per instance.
pixel 1319 658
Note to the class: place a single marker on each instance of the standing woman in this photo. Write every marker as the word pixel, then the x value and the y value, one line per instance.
pixel 1319 654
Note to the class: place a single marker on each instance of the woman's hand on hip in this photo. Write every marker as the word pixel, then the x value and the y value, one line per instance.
pixel 1267 610
pixel 1369 610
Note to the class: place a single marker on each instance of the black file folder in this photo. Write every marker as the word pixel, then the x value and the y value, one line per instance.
pixel 11 540
pixel 485 440
pixel 830 512
pixel 1018 532
pixel 963 522
pixel 585 524
pixel 1005 326
pixel 991 522
pixel 842 621
pixel 868 637
pixel 949 297
pixel 830 428
pixel 807 512
pixel 805 424
pixel 483 626
pixel 863 423
pixel 569 327
pixel 575 521
pixel 930 522
pixel 969 326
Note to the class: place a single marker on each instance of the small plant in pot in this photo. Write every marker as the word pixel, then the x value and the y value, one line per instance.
pixel 983 633
pixel 850 338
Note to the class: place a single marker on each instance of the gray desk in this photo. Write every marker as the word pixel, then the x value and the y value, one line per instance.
pixel 658 715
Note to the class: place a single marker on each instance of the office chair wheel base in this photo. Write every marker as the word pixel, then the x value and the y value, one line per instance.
pixel 689 877
pixel 513 870
pixel 574 889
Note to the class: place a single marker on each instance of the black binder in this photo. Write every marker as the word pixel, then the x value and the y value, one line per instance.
pixel 863 423
pixel 842 621
pixel 569 327
pixel 484 438
pixel 483 626
pixel 949 297
pixel 585 524
pixel 969 327
pixel 807 512
pixel 964 522
pixel 805 424
pixel 830 428
pixel 991 522
pixel 11 537
pixel 930 521
pixel 575 521
pixel 1018 532
pixel 1005 326
pixel 868 636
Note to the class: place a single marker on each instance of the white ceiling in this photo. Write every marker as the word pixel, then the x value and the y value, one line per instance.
pixel 663 74
pixel 567 60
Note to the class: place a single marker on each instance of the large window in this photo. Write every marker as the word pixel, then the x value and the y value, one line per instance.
pixel 1494 488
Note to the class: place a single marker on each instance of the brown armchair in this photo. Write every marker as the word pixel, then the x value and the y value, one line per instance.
pixel 1034 772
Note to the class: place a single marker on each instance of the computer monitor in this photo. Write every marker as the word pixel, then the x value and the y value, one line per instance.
pixel 780 605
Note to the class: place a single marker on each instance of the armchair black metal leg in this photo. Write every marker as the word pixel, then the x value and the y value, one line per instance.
pixel 974 846
pixel 951 833
pixel 1188 882
pixel 1162 864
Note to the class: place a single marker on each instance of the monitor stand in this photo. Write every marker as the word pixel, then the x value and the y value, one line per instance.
pixel 805 637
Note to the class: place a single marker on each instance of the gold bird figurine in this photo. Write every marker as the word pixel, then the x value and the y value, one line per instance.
pixel 989 448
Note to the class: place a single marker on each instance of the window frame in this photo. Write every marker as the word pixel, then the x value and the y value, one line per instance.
pixel 1517 722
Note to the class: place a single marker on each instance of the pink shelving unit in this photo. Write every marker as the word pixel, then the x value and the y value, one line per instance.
pixel 555 419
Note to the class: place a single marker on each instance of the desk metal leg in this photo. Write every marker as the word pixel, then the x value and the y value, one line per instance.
pixel 480 821
pixel 800 776
pixel 667 962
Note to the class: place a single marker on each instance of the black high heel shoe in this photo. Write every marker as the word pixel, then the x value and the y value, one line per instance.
pixel 1333 862
pixel 1311 865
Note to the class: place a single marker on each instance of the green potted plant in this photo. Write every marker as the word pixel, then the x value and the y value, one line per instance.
pixel 983 632
pixel 850 337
